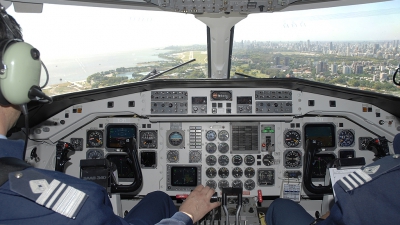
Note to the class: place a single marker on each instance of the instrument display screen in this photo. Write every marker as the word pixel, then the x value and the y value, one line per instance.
pixel 117 135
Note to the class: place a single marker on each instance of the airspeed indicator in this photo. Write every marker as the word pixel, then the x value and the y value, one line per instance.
pixel 292 138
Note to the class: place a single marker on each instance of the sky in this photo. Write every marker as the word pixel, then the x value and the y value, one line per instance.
pixel 63 31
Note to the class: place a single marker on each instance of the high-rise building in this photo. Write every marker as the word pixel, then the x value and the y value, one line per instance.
pixel 320 67
pixel 359 69
pixel 346 69
pixel 376 48
pixel 277 60
pixel 334 68
pixel 287 60
pixel 383 76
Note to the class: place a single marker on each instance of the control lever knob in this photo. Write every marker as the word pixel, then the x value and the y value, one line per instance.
pixel 214 198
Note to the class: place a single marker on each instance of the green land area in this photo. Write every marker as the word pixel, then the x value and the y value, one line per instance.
pixel 361 71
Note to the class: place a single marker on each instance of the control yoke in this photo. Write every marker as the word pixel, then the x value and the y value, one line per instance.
pixel 100 171
pixel 311 149
pixel 133 160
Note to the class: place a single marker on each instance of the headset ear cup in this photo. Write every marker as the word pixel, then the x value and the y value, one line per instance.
pixel 22 71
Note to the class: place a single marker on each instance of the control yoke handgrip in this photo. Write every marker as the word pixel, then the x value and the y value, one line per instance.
pixel 131 149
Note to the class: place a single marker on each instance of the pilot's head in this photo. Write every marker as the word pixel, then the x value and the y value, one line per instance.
pixel 8 30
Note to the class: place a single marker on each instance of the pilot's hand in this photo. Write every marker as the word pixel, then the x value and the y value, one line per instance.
pixel 198 203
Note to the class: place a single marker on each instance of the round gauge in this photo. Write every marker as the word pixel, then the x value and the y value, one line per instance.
pixel 265 177
pixel 223 172
pixel 211 135
pixel 237 160
pixel 223 160
pixel 237 184
pixel 249 184
pixel 148 139
pixel 223 135
pixel 223 184
pixel 211 160
pixel 223 147
pixel 212 184
pixel 94 154
pixel 292 159
pixel 364 142
pixel 249 172
pixel 175 138
pixel 173 156
pixel 237 172
pixel 194 156
pixel 94 138
pixel 211 148
pixel 77 143
pixel 268 160
pixel 346 138
pixel 211 172
pixel 249 160
pixel 292 138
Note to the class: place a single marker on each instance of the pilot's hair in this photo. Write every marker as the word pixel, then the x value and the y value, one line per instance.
pixel 10 29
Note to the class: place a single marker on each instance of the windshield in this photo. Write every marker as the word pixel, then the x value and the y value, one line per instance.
pixel 87 47
pixel 350 46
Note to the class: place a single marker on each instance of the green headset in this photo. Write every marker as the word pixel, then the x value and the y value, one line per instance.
pixel 20 69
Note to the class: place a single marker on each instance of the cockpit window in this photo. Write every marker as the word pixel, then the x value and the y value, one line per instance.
pixel 88 47
pixel 350 46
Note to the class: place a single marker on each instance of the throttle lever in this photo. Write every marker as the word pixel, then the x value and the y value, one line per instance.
pixel 214 198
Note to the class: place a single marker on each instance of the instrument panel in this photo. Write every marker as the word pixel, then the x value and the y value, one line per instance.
pixel 249 138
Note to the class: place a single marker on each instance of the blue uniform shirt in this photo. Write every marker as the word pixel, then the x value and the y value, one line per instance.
pixel 73 201
pixel 370 195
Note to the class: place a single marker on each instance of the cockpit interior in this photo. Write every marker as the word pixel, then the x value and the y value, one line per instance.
pixel 269 130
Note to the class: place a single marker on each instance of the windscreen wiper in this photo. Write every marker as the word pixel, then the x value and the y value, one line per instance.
pixel 244 75
pixel 153 74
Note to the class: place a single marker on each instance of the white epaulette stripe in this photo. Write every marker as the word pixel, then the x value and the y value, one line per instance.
pixel 62 199
pixel 47 193
pixel 70 202
pixel 347 184
pixel 355 177
pixel 66 205
pixel 358 177
pixel 353 183
pixel 363 175
pixel 55 195
pixel 76 203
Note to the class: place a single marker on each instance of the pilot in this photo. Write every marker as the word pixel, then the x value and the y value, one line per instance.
pixel 34 196
pixel 369 195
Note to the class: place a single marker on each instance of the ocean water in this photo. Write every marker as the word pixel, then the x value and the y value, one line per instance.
pixel 79 68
